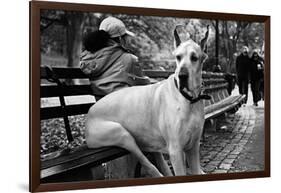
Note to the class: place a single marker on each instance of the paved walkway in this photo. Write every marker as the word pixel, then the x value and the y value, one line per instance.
pixel 251 157
pixel 238 143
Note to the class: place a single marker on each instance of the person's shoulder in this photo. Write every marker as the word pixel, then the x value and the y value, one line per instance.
pixel 239 57
pixel 129 57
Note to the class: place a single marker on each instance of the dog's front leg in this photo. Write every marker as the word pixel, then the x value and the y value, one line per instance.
pixel 177 159
pixel 193 158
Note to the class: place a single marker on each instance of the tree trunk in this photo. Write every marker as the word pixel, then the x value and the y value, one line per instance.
pixel 217 42
pixel 74 39
pixel 227 44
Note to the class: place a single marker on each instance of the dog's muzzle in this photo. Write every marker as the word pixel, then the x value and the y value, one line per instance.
pixel 184 86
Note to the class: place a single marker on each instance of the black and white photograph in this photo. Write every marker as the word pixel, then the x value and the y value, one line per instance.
pixel 130 96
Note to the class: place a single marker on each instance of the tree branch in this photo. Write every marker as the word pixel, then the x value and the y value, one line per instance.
pixel 51 21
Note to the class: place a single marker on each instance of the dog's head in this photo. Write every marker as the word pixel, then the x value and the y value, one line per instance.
pixel 190 58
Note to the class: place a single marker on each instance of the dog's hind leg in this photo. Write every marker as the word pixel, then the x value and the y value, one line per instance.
pixel 129 143
pixel 108 133
pixel 161 164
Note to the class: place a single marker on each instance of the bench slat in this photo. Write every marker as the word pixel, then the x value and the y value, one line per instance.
pixel 72 90
pixel 223 106
pixel 157 73
pixel 76 73
pixel 166 74
pixel 56 112
pixel 67 73
pixel 56 158
pixel 212 88
pixel 93 157
pixel 212 75
pixel 220 104
pixel 208 81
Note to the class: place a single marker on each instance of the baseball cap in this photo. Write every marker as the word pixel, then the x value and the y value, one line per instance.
pixel 114 27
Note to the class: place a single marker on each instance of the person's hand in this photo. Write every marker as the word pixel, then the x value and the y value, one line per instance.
pixel 144 80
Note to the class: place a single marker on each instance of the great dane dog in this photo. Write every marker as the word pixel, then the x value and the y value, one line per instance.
pixel 166 117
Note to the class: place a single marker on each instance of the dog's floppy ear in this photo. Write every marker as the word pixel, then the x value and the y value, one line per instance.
pixel 176 36
pixel 203 42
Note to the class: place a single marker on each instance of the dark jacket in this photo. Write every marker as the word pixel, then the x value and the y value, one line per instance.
pixel 243 67
pixel 111 69
pixel 256 69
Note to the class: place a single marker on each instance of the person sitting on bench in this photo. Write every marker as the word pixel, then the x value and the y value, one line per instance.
pixel 107 60
pixel 110 66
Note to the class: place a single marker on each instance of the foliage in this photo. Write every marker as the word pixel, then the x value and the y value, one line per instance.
pixel 53 134
pixel 232 36
pixel 61 34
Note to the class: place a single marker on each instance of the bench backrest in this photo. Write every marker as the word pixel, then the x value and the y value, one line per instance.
pixel 215 85
pixel 55 90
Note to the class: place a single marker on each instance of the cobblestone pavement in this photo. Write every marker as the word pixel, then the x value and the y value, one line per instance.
pixel 237 145
pixel 252 156
pixel 223 147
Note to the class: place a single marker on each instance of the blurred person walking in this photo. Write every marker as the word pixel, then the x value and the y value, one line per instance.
pixel 256 76
pixel 243 63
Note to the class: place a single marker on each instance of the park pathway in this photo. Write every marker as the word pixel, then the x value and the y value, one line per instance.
pixel 238 143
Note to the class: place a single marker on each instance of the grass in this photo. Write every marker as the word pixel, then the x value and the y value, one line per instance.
pixel 53 61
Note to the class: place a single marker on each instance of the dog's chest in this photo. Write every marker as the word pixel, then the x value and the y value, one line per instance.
pixel 188 123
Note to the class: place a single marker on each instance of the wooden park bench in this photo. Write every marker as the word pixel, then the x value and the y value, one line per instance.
pixel 64 165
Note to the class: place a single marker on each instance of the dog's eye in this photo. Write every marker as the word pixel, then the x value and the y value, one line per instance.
pixel 194 58
pixel 178 57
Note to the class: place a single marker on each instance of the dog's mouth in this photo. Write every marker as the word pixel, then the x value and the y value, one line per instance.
pixel 187 93
pixel 183 85
pixel 183 81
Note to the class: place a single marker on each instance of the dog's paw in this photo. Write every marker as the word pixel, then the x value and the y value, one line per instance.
pixel 202 172
pixel 189 172
pixel 154 172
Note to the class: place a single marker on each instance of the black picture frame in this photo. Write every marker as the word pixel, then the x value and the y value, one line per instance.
pixel 35 6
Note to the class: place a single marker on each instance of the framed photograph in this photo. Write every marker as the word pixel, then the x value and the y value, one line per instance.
pixel 123 96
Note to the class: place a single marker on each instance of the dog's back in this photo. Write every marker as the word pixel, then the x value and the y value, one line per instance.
pixel 138 110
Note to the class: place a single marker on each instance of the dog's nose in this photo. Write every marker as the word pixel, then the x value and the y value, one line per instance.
pixel 183 71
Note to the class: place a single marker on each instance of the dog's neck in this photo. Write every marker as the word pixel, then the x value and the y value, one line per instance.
pixel 190 98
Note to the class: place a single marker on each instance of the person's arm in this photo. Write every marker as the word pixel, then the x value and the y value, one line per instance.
pixel 89 66
pixel 135 71
pixel 142 80
pixel 262 62
pixel 237 63
pixel 86 65
pixel 237 68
